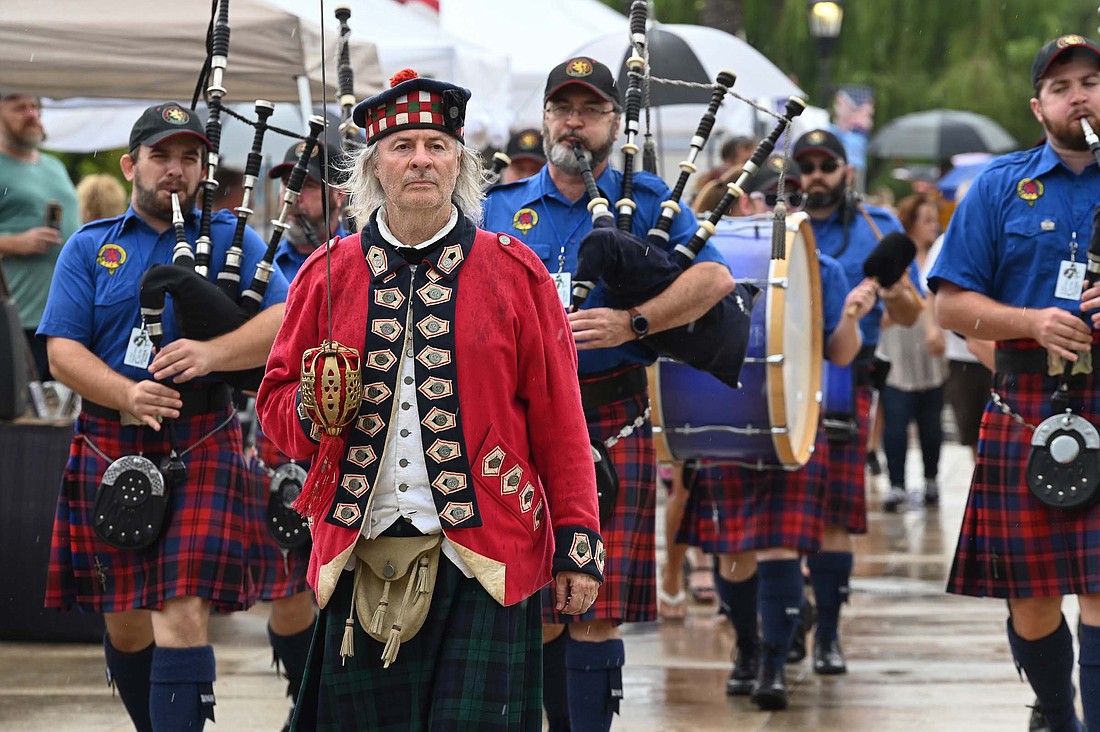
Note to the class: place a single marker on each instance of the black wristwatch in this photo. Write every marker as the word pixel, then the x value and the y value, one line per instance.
pixel 638 323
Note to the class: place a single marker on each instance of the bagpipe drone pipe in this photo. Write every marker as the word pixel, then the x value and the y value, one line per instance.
pixel 204 309
pixel 635 270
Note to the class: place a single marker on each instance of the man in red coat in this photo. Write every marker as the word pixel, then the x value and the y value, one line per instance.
pixel 468 458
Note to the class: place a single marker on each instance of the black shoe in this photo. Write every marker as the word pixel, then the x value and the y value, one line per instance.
pixel 771 688
pixel 808 616
pixel 828 658
pixel 873 463
pixel 1037 722
pixel 895 499
pixel 743 677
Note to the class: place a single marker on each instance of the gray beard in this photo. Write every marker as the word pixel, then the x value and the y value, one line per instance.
pixel 562 156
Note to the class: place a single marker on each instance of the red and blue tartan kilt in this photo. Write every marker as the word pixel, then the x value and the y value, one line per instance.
pixel 1010 545
pixel 276 573
pixel 202 550
pixel 628 594
pixel 732 509
pixel 843 471
pixel 475 665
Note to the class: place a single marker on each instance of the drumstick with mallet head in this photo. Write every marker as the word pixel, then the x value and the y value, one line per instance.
pixel 887 263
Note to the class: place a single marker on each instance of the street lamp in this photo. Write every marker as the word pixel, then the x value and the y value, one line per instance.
pixel 826 17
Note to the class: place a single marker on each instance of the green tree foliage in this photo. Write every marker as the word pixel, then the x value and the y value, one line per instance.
pixel 915 54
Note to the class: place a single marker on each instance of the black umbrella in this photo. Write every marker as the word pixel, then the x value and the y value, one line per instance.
pixel 938 134
pixel 670 57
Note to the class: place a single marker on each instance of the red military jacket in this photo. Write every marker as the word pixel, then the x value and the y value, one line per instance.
pixel 505 440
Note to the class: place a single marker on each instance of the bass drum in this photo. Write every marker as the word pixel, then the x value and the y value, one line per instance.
pixel 772 419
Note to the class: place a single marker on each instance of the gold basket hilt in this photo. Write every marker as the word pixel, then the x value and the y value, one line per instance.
pixel 331 385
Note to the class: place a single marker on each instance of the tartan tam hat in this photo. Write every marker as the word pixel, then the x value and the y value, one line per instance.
pixel 313 168
pixel 586 72
pixel 162 121
pixel 526 144
pixel 1051 50
pixel 766 179
pixel 821 141
pixel 413 102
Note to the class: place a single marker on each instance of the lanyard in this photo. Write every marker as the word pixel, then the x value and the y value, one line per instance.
pixel 557 234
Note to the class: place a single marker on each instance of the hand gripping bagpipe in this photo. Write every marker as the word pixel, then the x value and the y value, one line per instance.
pixel 635 271
pixel 203 309
pixel 1063 467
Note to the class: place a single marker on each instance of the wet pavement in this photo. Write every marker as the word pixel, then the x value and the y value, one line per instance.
pixel 918 659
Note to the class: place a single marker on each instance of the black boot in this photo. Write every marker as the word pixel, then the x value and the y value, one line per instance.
pixel 806 620
pixel 771 688
pixel 743 677
pixel 828 658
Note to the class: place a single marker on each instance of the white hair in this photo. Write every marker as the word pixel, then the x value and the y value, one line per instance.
pixel 365 194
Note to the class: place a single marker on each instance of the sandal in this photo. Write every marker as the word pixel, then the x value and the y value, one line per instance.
pixel 671 607
pixel 701 584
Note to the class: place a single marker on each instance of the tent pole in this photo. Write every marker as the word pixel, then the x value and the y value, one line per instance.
pixel 305 102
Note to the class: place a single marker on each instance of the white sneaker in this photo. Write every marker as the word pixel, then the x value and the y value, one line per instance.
pixel 895 499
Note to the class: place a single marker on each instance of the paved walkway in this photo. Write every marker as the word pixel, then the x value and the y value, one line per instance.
pixel 918 659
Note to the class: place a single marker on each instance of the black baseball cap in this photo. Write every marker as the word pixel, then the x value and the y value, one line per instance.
pixel 1051 50
pixel 526 144
pixel 821 141
pixel 313 168
pixel 586 72
pixel 163 121
pixel 766 179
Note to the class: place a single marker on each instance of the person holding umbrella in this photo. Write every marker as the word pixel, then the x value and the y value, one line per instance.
pixel 1011 271
pixel 847 230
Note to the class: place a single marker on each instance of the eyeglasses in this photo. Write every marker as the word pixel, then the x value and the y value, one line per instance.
pixel 825 166
pixel 588 113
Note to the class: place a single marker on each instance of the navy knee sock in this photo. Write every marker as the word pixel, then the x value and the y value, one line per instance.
pixel 738 602
pixel 780 606
pixel 555 696
pixel 1048 664
pixel 293 652
pixel 829 574
pixel 1088 636
pixel 595 683
pixel 129 673
pixel 182 696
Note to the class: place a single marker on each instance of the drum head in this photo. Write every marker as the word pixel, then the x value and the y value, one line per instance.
pixel 795 346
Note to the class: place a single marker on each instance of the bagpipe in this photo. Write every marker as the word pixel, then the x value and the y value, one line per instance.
pixel 635 270
pixel 205 309
pixel 351 137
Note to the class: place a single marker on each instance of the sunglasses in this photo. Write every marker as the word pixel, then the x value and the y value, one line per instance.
pixel 825 166
pixel 792 199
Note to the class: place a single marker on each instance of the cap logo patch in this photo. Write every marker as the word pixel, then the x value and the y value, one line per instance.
pixel 301 146
pixel 175 116
pixel 1029 190
pixel 525 220
pixel 111 257
pixel 579 67
pixel 816 138
pixel 529 140
pixel 1070 40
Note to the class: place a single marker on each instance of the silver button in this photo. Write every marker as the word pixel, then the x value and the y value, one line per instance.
pixel 406 405
pixel 409 379
pixel 404 433
pixel 403 463
pixel 403 487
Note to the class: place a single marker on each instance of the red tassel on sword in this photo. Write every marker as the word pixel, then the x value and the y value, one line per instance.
pixel 332 390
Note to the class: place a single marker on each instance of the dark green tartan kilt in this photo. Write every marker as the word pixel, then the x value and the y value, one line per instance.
pixel 473 666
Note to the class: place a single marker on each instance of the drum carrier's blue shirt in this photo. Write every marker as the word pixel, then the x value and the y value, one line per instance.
pixel 536 213
pixel 829 234
pixel 94 296
pixel 834 289
pixel 1012 230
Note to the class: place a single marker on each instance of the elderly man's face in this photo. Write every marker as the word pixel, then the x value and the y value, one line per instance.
pixel 21 123
pixel 418 170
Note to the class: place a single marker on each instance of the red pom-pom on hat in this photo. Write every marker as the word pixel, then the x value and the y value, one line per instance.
pixel 403 75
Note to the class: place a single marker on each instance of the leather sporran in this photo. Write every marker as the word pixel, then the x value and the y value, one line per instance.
pixel 131 507
pixel 394 581
pixel 289 529
pixel 1063 468
pixel 607 480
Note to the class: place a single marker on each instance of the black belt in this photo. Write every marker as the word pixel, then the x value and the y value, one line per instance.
pixel 213 398
pixel 600 392
pixel 1028 361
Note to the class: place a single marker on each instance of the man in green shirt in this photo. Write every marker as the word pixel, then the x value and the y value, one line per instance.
pixel 38 212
